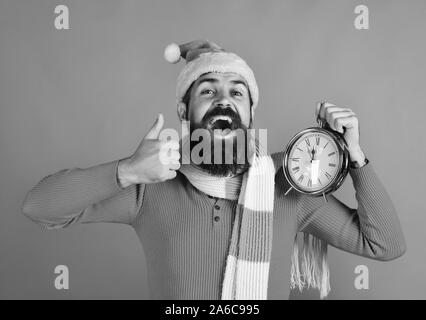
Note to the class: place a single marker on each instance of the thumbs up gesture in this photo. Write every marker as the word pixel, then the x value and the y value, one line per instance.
pixel 147 164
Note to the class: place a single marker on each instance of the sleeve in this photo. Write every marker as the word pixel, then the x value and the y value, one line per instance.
pixel 373 230
pixel 73 196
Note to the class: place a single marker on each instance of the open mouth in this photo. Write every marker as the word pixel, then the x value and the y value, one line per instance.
pixel 221 125
pixel 221 122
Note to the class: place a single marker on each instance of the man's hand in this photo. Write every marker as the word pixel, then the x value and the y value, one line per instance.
pixel 148 164
pixel 344 121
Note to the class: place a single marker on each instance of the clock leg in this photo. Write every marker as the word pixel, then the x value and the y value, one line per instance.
pixel 288 191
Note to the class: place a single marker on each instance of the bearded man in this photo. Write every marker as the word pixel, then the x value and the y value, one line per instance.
pixel 215 230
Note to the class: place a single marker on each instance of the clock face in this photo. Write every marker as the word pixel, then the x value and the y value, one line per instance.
pixel 313 161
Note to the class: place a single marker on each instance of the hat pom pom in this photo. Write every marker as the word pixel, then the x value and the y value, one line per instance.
pixel 172 53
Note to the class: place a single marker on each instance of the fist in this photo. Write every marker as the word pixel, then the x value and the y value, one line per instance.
pixel 344 121
pixel 153 161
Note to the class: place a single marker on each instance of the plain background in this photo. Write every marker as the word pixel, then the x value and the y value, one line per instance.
pixel 84 96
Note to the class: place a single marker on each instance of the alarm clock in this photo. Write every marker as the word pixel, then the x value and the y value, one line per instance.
pixel 316 160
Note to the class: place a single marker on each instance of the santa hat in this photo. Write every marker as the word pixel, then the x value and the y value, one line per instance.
pixel 204 56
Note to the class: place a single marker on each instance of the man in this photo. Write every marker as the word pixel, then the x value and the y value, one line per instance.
pixel 223 230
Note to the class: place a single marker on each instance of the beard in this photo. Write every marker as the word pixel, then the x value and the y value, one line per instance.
pixel 226 143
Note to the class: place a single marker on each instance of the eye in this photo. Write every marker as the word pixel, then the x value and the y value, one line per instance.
pixel 237 93
pixel 207 92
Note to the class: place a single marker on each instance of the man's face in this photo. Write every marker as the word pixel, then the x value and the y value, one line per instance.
pixel 220 103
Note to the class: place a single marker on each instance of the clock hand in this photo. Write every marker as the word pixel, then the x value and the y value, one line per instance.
pixel 309 152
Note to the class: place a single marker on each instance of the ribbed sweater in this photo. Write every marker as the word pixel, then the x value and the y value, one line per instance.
pixel 185 233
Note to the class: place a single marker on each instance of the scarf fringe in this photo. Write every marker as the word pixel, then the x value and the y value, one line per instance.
pixel 309 267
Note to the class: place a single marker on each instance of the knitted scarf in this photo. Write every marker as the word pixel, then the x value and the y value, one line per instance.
pixel 247 265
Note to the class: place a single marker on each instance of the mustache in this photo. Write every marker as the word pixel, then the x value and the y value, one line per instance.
pixel 236 119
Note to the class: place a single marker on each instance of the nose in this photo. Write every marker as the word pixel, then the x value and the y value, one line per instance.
pixel 223 101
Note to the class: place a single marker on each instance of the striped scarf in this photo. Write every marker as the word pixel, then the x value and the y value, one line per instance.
pixel 249 255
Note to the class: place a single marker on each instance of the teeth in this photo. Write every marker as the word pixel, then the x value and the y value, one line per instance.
pixel 225 118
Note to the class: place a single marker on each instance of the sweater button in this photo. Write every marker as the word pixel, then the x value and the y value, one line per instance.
pixel 217 207
pixel 217 219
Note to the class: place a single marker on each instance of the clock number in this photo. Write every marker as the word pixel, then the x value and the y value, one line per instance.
pixel 310 183
pixel 326 145
pixel 300 179
pixel 330 154
pixel 328 175
pixel 319 181
pixel 331 164
pixel 295 159
pixel 295 169
pixel 318 140
pixel 299 149
pixel 307 142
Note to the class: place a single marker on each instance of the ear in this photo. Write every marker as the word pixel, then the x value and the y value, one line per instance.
pixel 181 111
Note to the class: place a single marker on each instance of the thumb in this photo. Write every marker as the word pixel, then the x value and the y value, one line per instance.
pixel 318 108
pixel 155 130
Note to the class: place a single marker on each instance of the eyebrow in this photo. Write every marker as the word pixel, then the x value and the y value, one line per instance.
pixel 239 82
pixel 207 80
